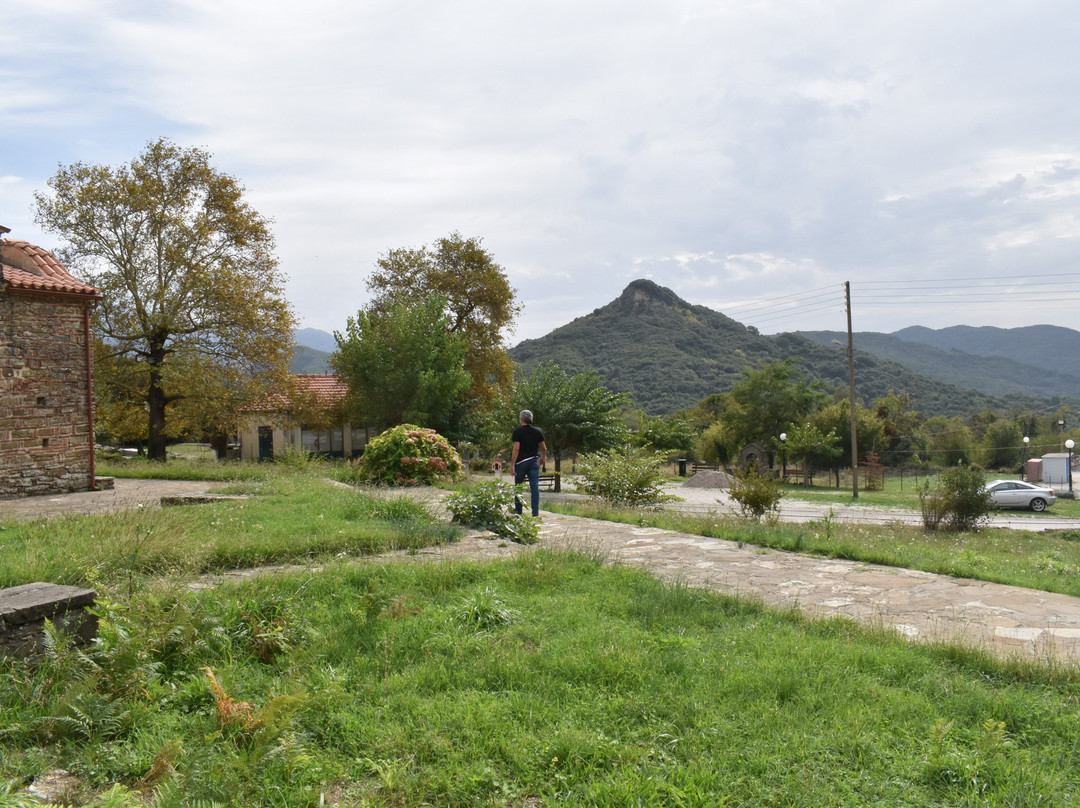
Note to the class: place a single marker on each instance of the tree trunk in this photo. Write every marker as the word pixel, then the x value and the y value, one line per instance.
pixel 220 445
pixel 155 400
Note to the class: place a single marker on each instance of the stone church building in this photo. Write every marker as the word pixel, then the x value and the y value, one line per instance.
pixel 46 403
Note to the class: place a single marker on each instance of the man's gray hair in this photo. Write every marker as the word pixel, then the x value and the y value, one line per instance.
pixel 525 417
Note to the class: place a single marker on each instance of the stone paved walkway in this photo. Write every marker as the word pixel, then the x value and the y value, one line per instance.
pixel 126 495
pixel 923 606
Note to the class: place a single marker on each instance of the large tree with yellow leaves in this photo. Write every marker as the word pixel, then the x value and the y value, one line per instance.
pixel 193 307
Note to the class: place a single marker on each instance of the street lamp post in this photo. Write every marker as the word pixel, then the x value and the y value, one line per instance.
pixel 1061 429
pixel 1069 444
pixel 1023 467
pixel 783 456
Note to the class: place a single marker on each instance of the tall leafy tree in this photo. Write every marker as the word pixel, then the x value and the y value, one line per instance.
pixel 901 424
pixel 1002 445
pixel 766 401
pixel 948 440
pixel 665 435
pixel 480 303
pixel 813 446
pixel 189 280
pixel 402 364
pixel 836 418
pixel 576 413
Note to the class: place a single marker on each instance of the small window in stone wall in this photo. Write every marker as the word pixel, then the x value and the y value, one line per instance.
pixel 44 443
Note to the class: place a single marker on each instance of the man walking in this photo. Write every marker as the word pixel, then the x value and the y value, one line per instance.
pixel 530 452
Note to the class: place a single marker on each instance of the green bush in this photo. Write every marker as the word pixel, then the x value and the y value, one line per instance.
pixel 959 500
pixel 625 477
pixel 409 455
pixel 757 494
pixel 487 506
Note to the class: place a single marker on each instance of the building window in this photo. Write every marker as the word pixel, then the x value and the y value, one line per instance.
pixel 325 441
pixel 314 441
pixel 359 440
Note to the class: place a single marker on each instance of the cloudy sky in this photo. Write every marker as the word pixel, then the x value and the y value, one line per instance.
pixel 751 155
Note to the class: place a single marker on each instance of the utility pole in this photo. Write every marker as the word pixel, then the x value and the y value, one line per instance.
pixel 851 397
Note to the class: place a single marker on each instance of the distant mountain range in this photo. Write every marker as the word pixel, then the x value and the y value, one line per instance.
pixel 321 341
pixel 1042 360
pixel 669 354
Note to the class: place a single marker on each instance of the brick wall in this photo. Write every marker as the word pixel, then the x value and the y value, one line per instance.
pixel 45 440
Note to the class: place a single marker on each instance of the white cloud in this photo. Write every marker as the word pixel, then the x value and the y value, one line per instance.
pixel 731 151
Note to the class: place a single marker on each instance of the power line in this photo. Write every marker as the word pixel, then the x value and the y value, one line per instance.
pixel 923 281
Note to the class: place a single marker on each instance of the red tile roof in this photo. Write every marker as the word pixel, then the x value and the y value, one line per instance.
pixel 329 389
pixel 26 268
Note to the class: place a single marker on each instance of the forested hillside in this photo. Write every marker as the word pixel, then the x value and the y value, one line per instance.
pixel 1051 347
pixel 310 360
pixel 670 354
pixel 993 374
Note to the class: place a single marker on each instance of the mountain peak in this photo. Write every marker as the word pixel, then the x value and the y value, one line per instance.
pixel 644 292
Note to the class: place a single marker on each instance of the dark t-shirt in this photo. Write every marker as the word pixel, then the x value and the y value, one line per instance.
pixel 530 439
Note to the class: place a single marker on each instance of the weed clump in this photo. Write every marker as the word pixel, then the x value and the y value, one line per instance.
pixel 626 477
pixel 758 495
pixel 959 501
pixel 487 506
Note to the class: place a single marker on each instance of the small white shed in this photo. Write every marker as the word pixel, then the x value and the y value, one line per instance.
pixel 1055 471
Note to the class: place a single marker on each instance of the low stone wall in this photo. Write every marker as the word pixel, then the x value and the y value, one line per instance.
pixel 24 610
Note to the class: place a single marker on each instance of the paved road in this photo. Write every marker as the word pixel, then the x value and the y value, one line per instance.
pixel 925 607
pixel 715 500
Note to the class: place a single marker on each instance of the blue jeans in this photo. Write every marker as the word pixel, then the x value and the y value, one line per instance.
pixel 529 467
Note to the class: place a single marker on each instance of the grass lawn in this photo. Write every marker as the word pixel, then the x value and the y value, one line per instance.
pixel 901 492
pixel 290 517
pixel 551 679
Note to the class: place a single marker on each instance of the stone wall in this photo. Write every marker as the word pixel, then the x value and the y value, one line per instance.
pixel 46 443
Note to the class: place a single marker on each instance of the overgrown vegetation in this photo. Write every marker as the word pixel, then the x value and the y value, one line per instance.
pixel 488 506
pixel 958 500
pixel 757 494
pixel 626 477
pixel 549 679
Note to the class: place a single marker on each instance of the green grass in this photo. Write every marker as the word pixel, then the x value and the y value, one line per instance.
pixel 183 469
pixel 549 680
pixel 901 492
pixel 288 518
pixel 192 451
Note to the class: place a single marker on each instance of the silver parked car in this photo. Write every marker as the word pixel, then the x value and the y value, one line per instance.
pixel 1018 494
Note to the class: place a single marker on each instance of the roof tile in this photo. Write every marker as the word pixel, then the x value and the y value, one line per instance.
pixel 29 268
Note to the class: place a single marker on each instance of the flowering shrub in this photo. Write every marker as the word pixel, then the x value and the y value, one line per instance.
pixel 409 455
